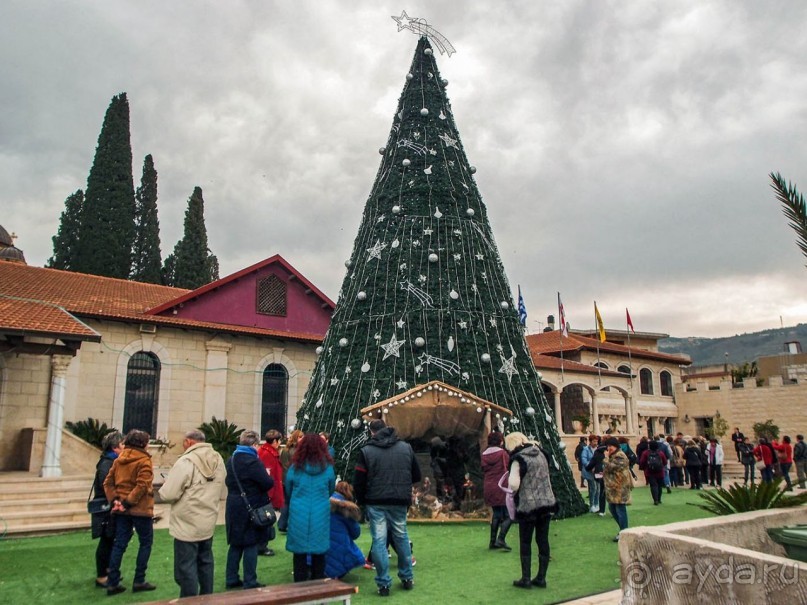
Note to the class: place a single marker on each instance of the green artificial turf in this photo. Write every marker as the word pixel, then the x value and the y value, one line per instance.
pixel 454 564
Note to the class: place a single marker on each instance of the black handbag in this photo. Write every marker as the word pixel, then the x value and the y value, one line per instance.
pixel 263 516
pixel 97 506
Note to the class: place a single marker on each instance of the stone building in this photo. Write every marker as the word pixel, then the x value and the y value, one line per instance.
pixel 623 385
pixel 135 355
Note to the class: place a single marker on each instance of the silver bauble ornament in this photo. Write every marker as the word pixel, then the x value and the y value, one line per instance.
pixel 419 341
pixel 362 295
pixel 433 258
pixel 397 209
pixel 406 162
pixel 470 212
pixel 320 350
pixel 485 357
pixel 343 342
pixel 472 169
pixel 355 423
pixel 530 411
pixel 409 76
pixel 505 305
pixel 348 263
pixel 424 112
pixel 428 51
pixel 444 82
pixel 382 150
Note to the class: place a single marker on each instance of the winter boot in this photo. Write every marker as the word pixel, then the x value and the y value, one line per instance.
pixel 540 579
pixel 500 543
pixel 494 530
pixel 524 581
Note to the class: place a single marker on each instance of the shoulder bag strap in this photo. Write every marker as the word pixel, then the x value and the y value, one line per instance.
pixel 240 487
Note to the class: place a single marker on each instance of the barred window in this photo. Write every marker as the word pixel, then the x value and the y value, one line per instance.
pixel 142 393
pixel 271 296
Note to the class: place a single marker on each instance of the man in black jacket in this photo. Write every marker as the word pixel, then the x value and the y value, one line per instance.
pixel 386 469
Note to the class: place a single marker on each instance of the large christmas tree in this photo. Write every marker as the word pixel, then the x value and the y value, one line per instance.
pixel 425 296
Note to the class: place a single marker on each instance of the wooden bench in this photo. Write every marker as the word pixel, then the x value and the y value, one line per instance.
pixel 301 593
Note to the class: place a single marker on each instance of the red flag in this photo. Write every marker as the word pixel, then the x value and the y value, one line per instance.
pixel 630 323
pixel 564 330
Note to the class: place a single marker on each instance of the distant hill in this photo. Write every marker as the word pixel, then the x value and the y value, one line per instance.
pixel 741 348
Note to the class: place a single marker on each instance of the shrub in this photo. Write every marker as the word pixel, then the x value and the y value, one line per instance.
pixel 744 498
pixel 222 435
pixel 91 430
pixel 766 429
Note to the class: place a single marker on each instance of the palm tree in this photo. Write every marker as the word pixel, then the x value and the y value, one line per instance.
pixel 794 208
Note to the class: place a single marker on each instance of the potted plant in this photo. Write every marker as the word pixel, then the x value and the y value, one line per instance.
pixel 581 422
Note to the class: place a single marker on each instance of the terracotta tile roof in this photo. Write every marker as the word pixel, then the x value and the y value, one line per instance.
pixel 20 316
pixel 117 299
pixel 551 343
pixel 547 362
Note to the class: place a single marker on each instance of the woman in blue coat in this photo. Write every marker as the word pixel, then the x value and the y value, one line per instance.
pixel 310 481
pixel 343 555
pixel 242 535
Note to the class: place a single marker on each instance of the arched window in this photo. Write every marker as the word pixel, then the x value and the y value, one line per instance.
pixel 142 393
pixel 646 380
pixel 274 398
pixel 623 369
pixel 666 383
pixel 601 364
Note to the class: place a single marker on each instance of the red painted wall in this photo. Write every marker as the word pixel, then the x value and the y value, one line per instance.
pixel 234 303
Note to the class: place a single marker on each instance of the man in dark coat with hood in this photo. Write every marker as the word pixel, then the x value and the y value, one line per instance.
pixel 386 469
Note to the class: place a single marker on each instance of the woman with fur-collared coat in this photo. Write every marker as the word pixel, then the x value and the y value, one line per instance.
pixel 343 554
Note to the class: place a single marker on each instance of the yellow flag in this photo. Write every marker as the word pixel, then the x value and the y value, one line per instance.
pixel 598 318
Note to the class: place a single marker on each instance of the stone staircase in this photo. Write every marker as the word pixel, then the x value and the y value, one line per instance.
pixel 32 505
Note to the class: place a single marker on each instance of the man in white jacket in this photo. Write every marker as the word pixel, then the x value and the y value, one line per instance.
pixel 193 489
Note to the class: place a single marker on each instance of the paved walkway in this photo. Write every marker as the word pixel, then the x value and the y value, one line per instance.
pixel 604 598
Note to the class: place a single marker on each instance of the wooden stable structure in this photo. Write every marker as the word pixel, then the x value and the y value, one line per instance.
pixel 438 409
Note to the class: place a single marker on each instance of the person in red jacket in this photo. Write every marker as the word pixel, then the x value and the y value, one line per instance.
pixel 785 457
pixel 765 453
pixel 269 454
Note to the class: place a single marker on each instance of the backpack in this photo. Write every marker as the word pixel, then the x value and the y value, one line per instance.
pixel 654 464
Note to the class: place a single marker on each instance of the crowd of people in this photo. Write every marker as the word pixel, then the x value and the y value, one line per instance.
pixel 321 517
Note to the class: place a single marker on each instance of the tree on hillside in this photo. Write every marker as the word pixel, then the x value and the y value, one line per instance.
pixel 65 240
pixel 426 298
pixel 107 229
pixel 793 207
pixel 146 259
pixel 192 264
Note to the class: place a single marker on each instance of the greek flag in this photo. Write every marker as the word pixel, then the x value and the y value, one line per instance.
pixel 522 309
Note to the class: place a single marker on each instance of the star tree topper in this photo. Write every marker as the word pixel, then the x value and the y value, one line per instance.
pixel 422 28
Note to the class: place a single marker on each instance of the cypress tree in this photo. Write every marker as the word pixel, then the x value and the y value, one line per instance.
pixel 65 241
pixel 107 230
pixel 193 264
pixel 146 251
pixel 426 297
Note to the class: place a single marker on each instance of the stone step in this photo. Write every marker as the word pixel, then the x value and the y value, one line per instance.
pixel 17 482
pixel 44 529
pixel 50 516
pixel 43 492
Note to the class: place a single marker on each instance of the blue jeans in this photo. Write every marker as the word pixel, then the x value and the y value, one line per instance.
pixel 394 516
pixel 250 556
pixel 767 473
pixel 593 494
pixel 620 514
pixel 124 527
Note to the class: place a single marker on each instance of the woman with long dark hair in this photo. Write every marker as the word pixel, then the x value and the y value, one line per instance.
pixel 310 481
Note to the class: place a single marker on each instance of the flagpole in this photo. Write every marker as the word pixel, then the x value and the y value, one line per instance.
pixel 630 362
pixel 561 321
pixel 597 328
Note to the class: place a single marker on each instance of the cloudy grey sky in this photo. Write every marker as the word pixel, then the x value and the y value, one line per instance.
pixel 622 148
